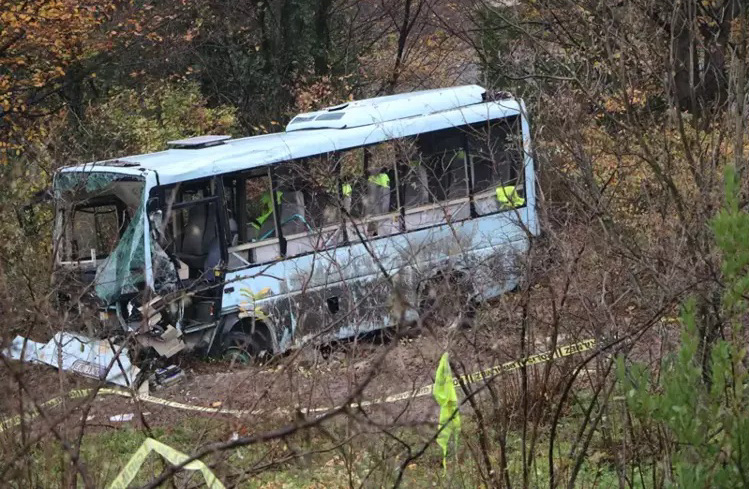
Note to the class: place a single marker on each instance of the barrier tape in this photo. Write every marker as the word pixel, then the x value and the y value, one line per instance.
pixel 14 421
pixel 489 373
pixel 174 457
pixel 472 378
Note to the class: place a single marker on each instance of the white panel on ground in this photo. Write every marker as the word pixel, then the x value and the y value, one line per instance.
pixel 97 359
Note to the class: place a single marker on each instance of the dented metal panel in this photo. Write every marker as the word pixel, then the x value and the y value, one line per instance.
pixel 365 298
pixel 97 359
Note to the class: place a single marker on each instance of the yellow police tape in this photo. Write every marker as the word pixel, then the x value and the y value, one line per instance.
pixel 13 421
pixel 174 457
pixel 472 378
pixel 483 375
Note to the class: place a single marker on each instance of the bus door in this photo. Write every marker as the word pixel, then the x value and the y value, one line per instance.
pixel 195 234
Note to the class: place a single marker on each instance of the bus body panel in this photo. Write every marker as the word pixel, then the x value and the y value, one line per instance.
pixel 181 165
pixel 301 286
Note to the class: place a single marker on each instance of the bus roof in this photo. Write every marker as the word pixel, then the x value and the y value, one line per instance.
pixel 364 122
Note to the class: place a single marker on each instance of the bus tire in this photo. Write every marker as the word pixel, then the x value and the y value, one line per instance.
pixel 245 347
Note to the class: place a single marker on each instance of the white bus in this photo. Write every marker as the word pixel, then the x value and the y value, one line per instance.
pixel 262 244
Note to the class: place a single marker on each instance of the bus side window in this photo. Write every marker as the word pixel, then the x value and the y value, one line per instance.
pixel 259 209
pixel 437 172
pixel 249 207
pixel 191 232
pixel 320 176
pixel 310 218
pixel 435 187
pixel 412 175
pixel 353 192
pixel 381 195
pixel 368 180
pixel 416 189
pixel 497 165
pixel 290 191
pixel 443 154
pixel 369 190
pixel 250 217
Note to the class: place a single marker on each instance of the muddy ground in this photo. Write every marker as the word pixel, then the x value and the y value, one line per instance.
pixel 309 378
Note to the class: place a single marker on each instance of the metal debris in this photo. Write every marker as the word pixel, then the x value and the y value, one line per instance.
pixel 73 352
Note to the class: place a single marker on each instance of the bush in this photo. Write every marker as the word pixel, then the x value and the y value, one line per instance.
pixel 703 415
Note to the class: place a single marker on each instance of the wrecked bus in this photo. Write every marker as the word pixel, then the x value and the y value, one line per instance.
pixel 261 244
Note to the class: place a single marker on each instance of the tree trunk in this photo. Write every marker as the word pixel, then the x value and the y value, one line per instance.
pixel 683 60
pixel 322 33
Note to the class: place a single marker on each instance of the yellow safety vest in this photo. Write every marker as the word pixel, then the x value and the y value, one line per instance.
pixel 508 197
pixel 381 179
pixel 268 203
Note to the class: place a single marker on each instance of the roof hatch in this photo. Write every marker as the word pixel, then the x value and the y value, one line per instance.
pixel 198 142
pixel 120 163
pixel 388 108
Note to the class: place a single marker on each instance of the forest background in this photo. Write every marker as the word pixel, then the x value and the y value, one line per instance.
pixel 639 117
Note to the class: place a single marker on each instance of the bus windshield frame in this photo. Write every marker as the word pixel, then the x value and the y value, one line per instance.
pixel 100 224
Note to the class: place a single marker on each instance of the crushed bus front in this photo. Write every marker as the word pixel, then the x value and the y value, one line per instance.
pixel 100 235
pixel 105 258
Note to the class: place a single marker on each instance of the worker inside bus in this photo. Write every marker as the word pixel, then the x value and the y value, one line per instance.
pixel 260 220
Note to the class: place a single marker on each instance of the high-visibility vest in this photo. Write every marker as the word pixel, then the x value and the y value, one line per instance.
pixel 268 205
pixel 508 197
pixel 381 179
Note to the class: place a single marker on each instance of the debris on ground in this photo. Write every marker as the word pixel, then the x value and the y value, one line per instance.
pixel 166 377
pixel 121 418
pixel 73 352
pixel 168 344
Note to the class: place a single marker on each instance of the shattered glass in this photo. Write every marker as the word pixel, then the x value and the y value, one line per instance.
pixel 123 270
pixel 164 272
pixel 88 182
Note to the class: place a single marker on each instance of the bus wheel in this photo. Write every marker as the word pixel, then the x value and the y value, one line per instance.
pixel 245 348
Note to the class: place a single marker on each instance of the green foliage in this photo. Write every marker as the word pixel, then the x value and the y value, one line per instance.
pixel 139 121
pixel 24 238
pixel 706 422
pixel 731 228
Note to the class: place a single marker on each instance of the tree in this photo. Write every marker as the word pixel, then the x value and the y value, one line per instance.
pixel 704 427
pixel 628 144
pixel 51 50
pixel 39 42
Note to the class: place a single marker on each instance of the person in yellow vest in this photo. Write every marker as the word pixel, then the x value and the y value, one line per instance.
pixel 381 180
pixel 266 206
pixel 508 197
pixel 378 193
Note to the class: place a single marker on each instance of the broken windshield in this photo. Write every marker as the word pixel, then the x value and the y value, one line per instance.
pixel 100 222
pixel 92 231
